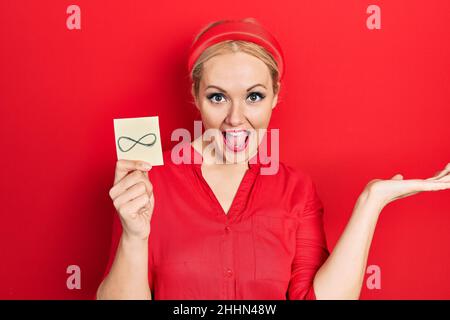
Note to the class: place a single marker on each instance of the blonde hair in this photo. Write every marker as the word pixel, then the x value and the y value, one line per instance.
pixel 230 46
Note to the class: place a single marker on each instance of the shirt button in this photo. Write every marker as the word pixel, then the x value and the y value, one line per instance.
pixel 227 229
pixel 229 273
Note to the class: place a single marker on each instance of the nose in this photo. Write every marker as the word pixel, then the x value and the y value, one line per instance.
pixel 235 115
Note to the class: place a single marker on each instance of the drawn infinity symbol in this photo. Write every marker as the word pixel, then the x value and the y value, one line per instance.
pixel 136 142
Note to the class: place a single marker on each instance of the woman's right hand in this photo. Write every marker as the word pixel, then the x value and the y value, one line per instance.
pixel 132 195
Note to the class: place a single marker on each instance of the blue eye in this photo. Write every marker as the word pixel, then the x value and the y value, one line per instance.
pixel 212 97
pixel 255 95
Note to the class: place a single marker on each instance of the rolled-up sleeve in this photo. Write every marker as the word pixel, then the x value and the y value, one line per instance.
pixel 311 247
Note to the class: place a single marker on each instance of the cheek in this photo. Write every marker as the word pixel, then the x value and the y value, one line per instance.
pixel 259 116
pixel 212 117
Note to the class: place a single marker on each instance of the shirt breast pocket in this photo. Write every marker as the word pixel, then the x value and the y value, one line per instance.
pixel 274 246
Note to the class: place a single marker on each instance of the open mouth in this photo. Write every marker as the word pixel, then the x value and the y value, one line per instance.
pixel 236 140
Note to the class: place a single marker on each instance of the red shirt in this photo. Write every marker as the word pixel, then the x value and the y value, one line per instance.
pixel 269 245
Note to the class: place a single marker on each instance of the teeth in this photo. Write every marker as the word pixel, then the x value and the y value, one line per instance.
pixel 236 134
pixel 236 139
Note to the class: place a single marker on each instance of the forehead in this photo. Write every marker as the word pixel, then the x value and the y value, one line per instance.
pixel 235 70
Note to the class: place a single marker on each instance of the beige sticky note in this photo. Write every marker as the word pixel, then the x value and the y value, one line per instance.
pixel 138 139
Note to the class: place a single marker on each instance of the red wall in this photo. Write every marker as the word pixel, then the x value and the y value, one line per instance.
pixel 356 104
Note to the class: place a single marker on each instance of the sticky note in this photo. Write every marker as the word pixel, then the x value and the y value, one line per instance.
pixel 138 139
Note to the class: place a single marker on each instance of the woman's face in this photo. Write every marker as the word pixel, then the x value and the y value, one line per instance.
pixel 235 99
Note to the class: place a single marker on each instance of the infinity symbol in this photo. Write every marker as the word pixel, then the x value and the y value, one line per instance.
pixel 136 142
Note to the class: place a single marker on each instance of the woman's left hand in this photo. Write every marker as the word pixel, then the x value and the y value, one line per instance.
pixel 395 188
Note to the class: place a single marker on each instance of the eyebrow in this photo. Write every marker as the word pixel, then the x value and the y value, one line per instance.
pixel 219 88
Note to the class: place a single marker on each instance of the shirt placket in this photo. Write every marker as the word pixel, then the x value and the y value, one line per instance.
pixel 228 272
pixel 227 247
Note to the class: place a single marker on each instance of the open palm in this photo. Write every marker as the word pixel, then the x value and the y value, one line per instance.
pixel 395 188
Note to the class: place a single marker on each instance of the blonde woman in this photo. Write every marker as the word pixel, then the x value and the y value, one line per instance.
pixel 208 229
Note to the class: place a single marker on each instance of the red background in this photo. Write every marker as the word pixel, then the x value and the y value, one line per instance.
pixel 356 104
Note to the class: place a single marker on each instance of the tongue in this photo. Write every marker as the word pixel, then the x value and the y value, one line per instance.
pixel 236 141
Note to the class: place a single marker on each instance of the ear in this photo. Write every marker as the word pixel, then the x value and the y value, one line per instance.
pixel 275 98
pixel 193 95
pixel 275 101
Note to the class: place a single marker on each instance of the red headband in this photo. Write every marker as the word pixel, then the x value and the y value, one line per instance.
pixel 237 30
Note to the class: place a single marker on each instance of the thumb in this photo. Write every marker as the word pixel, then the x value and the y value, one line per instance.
pixel 398 176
